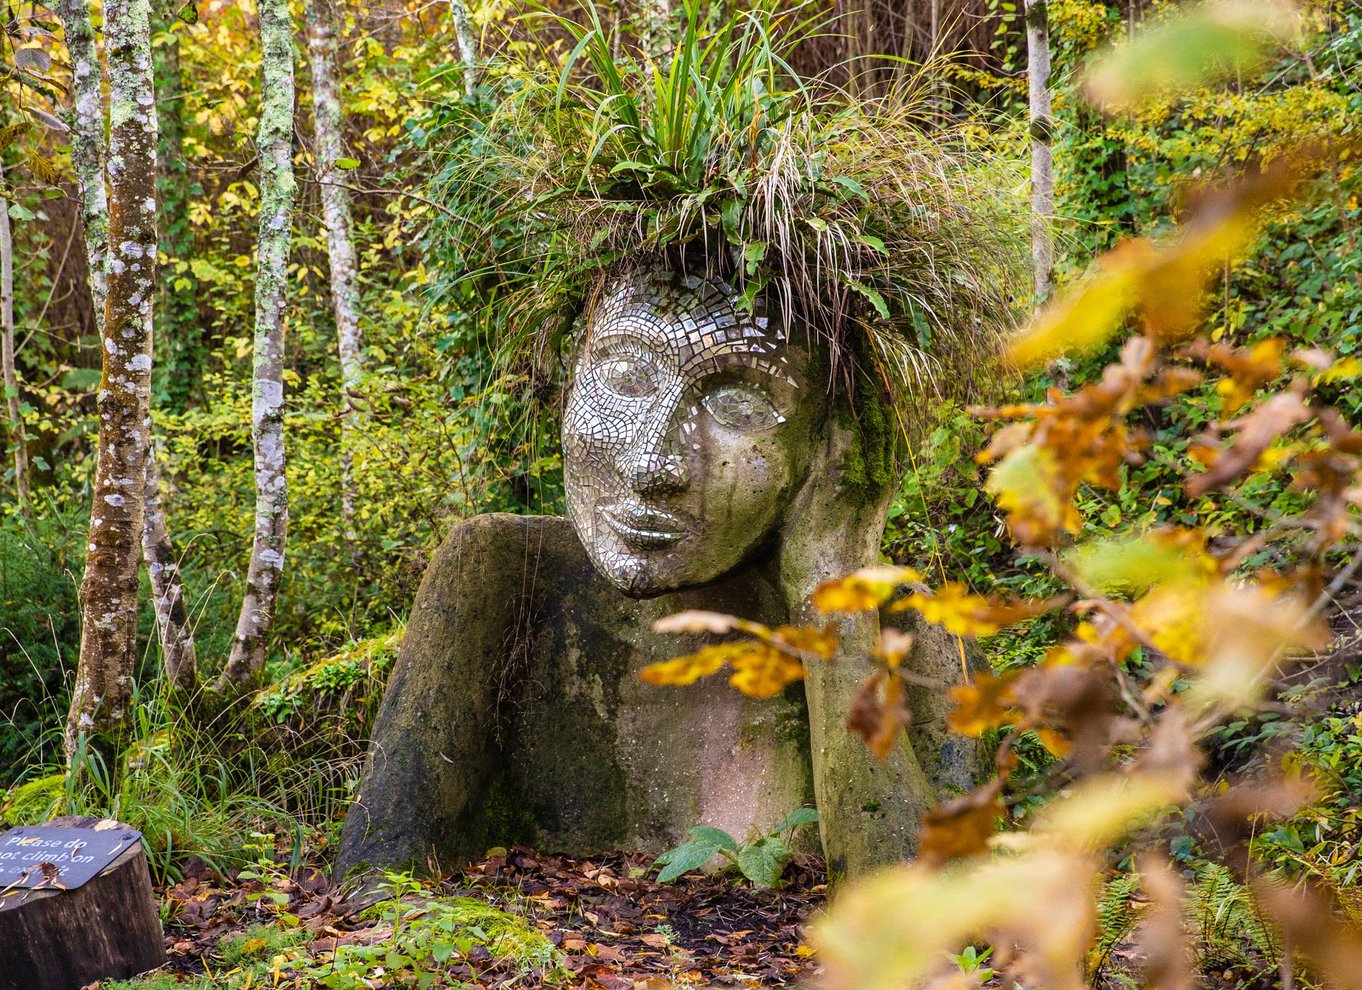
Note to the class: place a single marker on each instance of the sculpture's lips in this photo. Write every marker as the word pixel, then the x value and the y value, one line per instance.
pixel 644 528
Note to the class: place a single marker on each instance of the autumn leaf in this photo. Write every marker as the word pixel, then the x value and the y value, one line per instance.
pixel 698 621
pixel 984 704
pixel 1086 317
pixel 690 668
pixel 820 642
pixel 1249 368
pixel 1031 488
pixel 1136 562
pixel 893 647
pixel 762 671
pixel 1162 936
pixel 1254 433
pixel 1212 41
pixel 862 590
pixel 963 825
pixel 1171 616
pixel 966 614
pixel 877 713
pixel 1245 630
pixel 1309 914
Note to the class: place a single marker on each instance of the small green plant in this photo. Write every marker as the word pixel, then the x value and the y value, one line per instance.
pixel 971 962
pixel 761 860
pixel 267 871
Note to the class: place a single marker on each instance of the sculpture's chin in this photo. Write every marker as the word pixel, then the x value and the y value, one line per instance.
pixel 638 579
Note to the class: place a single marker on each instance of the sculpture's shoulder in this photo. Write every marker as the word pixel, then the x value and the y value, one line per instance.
pixel 506 554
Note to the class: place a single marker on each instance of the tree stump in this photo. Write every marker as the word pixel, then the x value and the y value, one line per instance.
pixel 62 939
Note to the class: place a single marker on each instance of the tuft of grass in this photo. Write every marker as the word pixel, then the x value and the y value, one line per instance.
pixel 194 788
pixel 856 219
pixel 258 943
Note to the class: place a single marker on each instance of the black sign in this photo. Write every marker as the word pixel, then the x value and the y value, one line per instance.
pixel 58 857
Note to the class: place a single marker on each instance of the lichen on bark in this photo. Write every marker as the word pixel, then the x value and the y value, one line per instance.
pixel 101 697
pixel 277 195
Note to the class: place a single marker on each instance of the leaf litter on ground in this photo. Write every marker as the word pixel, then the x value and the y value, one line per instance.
pixel 616 927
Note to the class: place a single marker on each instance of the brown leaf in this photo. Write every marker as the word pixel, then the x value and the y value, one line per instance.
pixel 1256 432
pixel 1236 816
pixel 963 825
pixel 877 713
pixel 1167 952
pixel 1311 918
pixel 1077 701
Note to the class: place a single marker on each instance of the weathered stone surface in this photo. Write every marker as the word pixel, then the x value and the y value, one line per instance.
pixel 514 713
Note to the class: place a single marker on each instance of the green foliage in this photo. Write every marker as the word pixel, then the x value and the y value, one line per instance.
pixel 1117 917
pixel 196 789
pixel 343 689
pixel 430 934
pixel 761 860
pixel 1230 929
pixel 40 567
pixel 258 944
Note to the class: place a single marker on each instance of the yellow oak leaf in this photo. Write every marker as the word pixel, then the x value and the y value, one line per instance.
pixel 862 590
pixel 762 671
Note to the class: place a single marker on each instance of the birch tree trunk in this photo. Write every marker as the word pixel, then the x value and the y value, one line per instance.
pixel 340 244
pixel 1042 138
pixel 468 44
pixel 11 377
pixel 87 159
pixel 87 144
pixel 179 657
pixel 277 188
pixel 103 689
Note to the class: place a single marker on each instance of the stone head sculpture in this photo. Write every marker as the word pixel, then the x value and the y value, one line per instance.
pixel 686 431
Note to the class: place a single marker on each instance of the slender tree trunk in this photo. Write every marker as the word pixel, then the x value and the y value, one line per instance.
pixel 277 189
pixel 11 377
pixel 179 657
pixel 103 689
pixel 1042 138
pixel 87 144
pixel 340 244
pixel 87 158
pixel 468 44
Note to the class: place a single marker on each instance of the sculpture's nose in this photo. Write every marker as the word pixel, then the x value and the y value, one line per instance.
pixel 658 473
pixel 654 464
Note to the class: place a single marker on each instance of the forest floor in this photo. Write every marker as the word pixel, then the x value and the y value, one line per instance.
pixel 616 928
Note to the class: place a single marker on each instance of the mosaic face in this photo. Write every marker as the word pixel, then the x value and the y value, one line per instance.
pixel 685 433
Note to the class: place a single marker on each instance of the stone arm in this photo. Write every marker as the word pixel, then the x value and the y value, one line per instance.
pixel 870 812
pixel 422 802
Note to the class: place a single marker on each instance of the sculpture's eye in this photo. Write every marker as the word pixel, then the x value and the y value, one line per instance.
pixel 630 376
pixel 742 408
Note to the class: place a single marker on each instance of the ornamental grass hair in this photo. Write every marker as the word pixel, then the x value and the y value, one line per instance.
pixel 863 222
